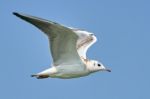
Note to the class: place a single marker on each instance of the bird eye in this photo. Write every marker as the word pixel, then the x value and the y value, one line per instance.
pixel 99 64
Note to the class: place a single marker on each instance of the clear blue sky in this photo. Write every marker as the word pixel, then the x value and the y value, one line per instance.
pixel 123 31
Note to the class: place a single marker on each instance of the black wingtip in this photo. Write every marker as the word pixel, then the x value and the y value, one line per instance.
pixel 19 15
pixel 15 13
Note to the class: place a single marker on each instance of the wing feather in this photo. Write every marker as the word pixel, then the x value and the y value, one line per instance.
pixel 62 40
pixel 85 41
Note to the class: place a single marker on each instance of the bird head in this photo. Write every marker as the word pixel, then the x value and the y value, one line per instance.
pixel 97 66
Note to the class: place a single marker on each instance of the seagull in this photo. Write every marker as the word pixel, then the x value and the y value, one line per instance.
pixel 68 48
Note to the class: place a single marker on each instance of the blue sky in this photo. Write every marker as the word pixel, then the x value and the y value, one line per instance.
pixel 123 31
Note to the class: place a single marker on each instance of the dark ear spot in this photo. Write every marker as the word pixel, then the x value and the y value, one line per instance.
pixel 94 63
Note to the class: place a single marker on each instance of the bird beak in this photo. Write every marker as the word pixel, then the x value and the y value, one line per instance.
pixel 108 70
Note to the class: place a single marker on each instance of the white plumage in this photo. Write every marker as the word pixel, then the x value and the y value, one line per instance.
pixel 68 48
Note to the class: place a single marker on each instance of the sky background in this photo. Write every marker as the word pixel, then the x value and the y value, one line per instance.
pixel 123 31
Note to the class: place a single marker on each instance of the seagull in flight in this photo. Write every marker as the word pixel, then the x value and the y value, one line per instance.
pixel 68 48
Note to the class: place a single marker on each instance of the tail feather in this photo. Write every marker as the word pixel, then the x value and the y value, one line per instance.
pixel 34 75
pixel 40 76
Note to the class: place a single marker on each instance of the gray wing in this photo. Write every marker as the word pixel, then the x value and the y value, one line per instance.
pixel 62 40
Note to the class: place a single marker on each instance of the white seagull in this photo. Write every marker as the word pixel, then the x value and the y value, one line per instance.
pixel 68 49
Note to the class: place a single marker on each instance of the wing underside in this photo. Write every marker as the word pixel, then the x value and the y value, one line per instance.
pixel 85 41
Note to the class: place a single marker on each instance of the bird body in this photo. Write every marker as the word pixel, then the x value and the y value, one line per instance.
pixel 68 48
pixel 66 71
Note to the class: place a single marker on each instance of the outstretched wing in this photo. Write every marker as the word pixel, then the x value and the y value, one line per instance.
pixel 85 41
pixel 62 40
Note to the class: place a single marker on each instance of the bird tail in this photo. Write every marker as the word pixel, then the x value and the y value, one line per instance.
pixel 39 76
pixel 34 75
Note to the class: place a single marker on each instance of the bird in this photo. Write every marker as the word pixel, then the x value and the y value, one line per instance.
pixel 68 48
